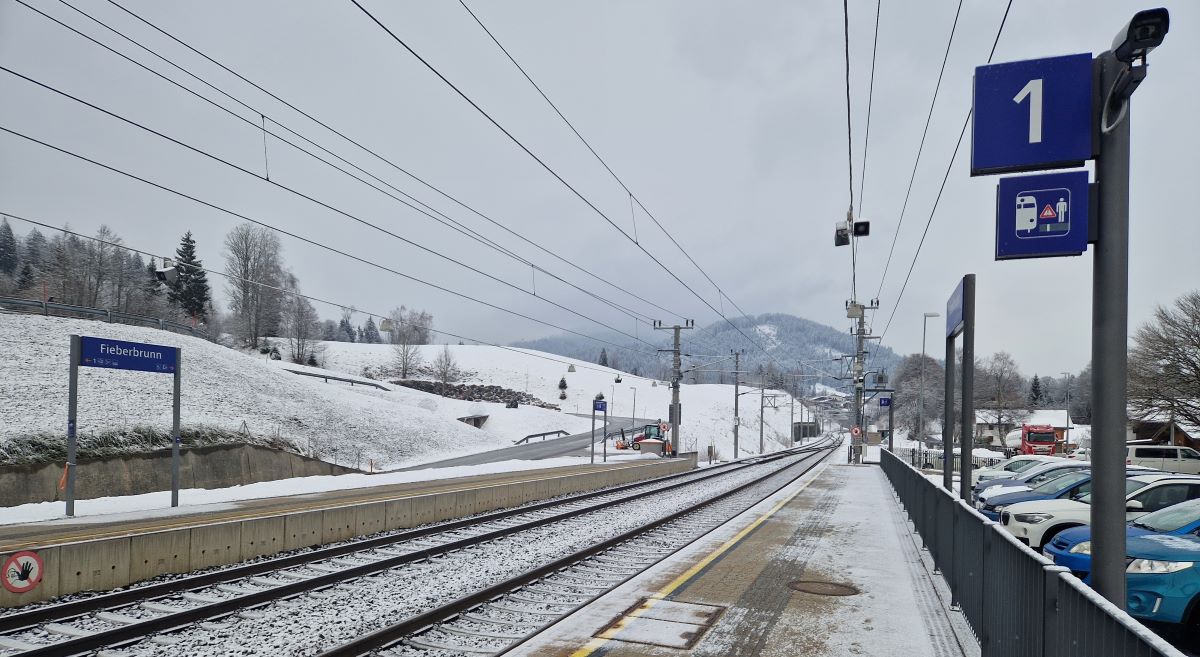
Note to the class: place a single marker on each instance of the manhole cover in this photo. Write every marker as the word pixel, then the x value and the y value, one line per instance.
pixel 823 588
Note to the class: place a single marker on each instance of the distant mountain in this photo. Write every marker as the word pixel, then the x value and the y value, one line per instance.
pixel 786 338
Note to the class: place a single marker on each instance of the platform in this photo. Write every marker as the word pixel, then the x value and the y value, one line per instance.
pixel 840 531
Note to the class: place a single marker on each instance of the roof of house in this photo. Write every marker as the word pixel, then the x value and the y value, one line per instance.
pixel 1018 416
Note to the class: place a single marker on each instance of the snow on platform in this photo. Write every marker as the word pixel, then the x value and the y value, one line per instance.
pixel 731 592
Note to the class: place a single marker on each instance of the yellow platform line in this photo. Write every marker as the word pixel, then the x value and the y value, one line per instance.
pixel 320 505
pixel 607 635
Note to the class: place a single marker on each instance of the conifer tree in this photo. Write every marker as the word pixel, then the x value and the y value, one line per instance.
pixel 8 249
pixel 191 292
pixel 370 332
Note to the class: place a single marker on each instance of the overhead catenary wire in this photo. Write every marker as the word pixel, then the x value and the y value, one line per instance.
pixel 319 202
pixel 424 209
pixel 557 176
pixel 310 241
pixel 300 295
pixel 945 177
pixel 862 176
pixel 359 144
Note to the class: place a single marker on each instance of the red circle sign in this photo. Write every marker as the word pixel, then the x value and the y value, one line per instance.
pixel 856 432
pixel 22 572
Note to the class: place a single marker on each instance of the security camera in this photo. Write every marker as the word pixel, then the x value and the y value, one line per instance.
pixel 1144 33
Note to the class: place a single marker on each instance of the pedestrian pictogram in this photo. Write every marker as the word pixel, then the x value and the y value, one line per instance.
pixel 1047 213
pixel 1042 215
pixel 22 572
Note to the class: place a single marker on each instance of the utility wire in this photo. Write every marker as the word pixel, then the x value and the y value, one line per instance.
pixel 953 156
pixel 552 172
pixel 424 209
pixel 310 241
pixel 294 293
pixel 862 178
pixel 849 131
pixel 921 146
pixel 368 150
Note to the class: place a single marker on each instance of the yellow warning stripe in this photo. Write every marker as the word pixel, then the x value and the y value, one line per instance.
pixel 607 635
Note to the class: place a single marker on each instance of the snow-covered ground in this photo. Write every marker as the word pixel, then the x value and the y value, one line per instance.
pixel 193 500
pixel 234 391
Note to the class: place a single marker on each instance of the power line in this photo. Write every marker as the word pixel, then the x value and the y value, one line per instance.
pixel 921 146
pixel 294 293
pixel 862 179
pixel 554 173
pixel 356 143
pixel 849 131
pixel 309 240
pixel 933 210
pixel 424 209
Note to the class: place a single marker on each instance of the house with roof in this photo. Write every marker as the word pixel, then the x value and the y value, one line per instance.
pixel 992 425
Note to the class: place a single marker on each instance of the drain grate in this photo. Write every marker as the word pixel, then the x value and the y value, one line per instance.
pixel 823 588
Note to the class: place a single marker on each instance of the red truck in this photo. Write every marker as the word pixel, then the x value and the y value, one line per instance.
pixel 1039 439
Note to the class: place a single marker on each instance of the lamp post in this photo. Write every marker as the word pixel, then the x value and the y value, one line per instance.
pixel 633 418
pixel 1067 433
pixel 921 391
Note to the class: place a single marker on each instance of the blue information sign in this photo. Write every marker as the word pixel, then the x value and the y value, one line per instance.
pixel 954 311
pixel 1042 216
pixel 121 355
pixel 885 401
pixel 1034 114
pixel 599 406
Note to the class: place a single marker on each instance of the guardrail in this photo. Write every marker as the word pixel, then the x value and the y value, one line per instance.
pixel 1016 601
pixel 329 377
pixel 108 315
pixel 542 435
pixel 921 457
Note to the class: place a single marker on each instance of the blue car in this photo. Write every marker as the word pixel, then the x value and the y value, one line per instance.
pixel 1068 486
pixel 1162 548
pixel 1029 478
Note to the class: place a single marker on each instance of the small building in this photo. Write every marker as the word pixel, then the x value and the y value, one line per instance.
pixel 992 425
pixel 1163 432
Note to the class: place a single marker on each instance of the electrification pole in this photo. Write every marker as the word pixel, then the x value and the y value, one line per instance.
pixel 676 378
pixel 857 311
pixel 737 368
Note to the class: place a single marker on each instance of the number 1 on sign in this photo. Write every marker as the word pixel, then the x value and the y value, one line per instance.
pixel 1033 91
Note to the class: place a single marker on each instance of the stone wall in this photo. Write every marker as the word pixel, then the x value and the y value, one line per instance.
pixel 216 466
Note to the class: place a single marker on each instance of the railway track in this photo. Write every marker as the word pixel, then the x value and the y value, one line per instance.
pixel 339 595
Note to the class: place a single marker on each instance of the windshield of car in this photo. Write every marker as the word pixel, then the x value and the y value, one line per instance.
pixel 1047 475
pixel 1172 517
pixel 1059 484
pixel 1130 486
pixel 1040 437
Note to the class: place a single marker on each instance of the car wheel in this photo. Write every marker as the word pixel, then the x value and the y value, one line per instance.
pixel 637 446
pixel 1050 534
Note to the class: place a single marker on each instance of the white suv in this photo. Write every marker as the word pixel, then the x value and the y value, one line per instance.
pixel 1010 467
pixel 1038 521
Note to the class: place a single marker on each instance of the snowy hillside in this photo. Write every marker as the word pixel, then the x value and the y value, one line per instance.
pixel 223 389
pixel 707 408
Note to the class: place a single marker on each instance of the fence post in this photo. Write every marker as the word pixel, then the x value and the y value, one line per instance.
pixel 953 579
pixel 162 326
pixel 1049 639
pixel 985 612
pixel 108 314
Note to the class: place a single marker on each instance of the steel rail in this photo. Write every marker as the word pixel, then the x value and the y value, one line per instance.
pixel 388 637
pixel 137 631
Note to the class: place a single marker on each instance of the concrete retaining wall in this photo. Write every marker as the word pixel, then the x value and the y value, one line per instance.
pixel 110 563
pixel 215 466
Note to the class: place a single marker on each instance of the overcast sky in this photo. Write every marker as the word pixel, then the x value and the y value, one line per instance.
pixel 726 119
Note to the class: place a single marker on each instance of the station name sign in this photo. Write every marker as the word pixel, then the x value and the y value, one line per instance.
pixel 122 355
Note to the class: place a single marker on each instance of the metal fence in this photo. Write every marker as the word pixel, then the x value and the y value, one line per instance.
pixel 921 457
pixel 1016 601
pixel 53 307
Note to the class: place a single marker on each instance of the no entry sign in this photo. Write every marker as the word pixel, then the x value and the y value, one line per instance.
pixel 22 572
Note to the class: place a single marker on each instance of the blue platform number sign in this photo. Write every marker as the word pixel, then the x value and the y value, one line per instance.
pixel 122 355
pixel 1033 114
pixel 884 402
pixel 1042 216
pixel 599 406
pixel 954 311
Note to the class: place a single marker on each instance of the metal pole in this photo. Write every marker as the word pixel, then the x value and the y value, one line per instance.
pixel 1110 313
pixel 762 402
pixel 792 426
pixel 921 390
pixel 633 420
pixel 175 439
pixel 968 390
pixel 72 394
pixel 737 368
pixel 948 420
pixel 892 424
pixel 606 430
pixel 1067 436
pixel 675 397
pixel 593 433
pixel 859 380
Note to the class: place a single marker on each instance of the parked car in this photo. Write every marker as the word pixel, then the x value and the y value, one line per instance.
pixel 1162 550
pixel 1009 467
pixel 1072 548
pixel 1170 458
pixel 1037 522
pixel 1072 484
pixel 1025 480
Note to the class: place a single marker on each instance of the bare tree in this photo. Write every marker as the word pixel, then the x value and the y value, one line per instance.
pixel 298 322
pixel 445 368
pixel 1001 386
pixel 252 254
pixel 407 354
pixel 1164 364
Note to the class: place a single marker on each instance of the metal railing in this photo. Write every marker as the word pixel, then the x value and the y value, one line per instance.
pixel 921 457
pixel 1016 601
pixel 46 307
pixel 542 435
pixel 330 377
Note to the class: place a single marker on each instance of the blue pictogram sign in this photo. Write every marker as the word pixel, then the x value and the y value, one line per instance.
pixel 885 401
pixel 599 406
pixel 1042 216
